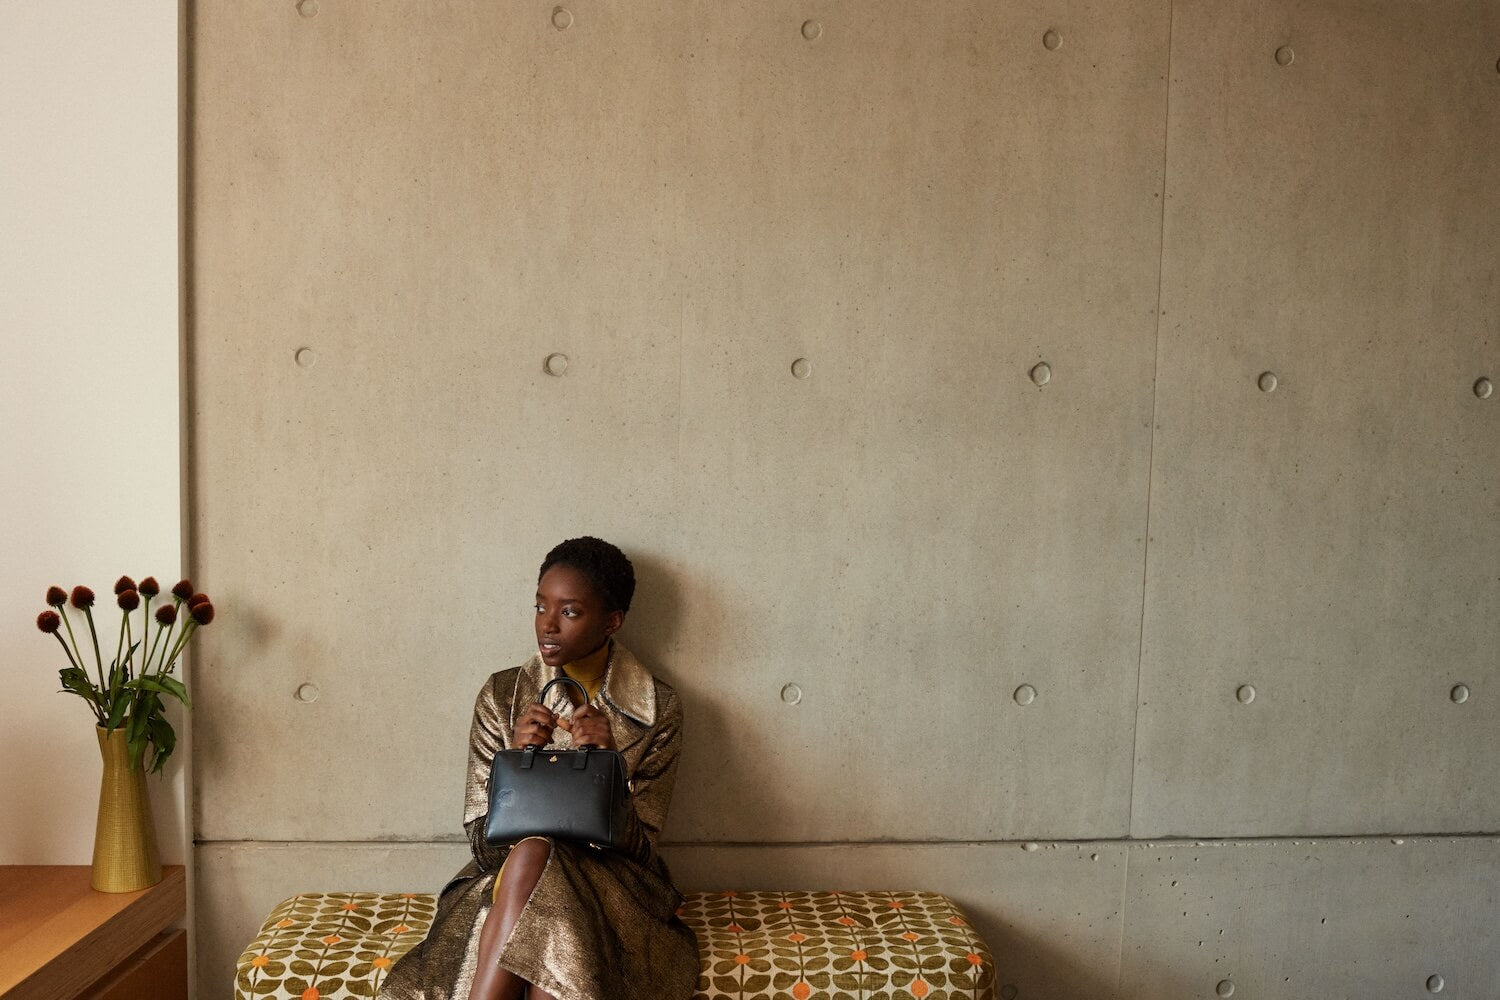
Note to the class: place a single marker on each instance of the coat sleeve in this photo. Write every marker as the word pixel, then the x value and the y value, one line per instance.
pixel 652 783
pixel 485 738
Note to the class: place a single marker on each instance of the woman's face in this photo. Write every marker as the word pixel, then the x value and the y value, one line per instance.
pixel 571 620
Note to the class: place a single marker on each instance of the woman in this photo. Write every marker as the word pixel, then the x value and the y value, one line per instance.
pixel 553 919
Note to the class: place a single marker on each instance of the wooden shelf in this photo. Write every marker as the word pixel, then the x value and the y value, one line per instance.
pixel 61 940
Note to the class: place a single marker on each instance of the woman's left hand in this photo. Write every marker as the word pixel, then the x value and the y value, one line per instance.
pixel 589 728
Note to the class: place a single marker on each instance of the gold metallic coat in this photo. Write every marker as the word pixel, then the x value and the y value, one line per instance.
pixel 602 924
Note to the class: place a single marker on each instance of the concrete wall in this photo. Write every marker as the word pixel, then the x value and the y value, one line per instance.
pixel 89 323
pixel 1051 439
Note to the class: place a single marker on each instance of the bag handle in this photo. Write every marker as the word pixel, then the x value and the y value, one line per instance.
pixel 541 698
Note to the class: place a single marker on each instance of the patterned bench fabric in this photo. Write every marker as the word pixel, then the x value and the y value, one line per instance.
pixel 753 946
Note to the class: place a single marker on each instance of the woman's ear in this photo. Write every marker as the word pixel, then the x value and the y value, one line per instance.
pixel 613 622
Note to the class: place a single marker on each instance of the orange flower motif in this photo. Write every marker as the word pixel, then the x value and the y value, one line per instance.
pixel 896 904
pixel 284 923
pixel 311 993
pixel 382 963
pixel 909 936
pixel 261 961
pixel 332 939
pixel 681 910
pixel 400 929
pixel 742 960
pixel 957 921
pixel 974 959
pixel 802 991
pixel 846 921
pixel 731 894
pixel 408 895
pixel 350 907
pixel 783 905
pixel 919 988
pixel 860 955
pixel 796 937
pixel 735 929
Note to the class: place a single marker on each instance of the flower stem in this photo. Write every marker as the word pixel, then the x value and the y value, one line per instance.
pixel 94 634
pixel 77 655
pixel 145 633
pixel 93 705
pixel 146 663
pixel 187 631
pixel 114 668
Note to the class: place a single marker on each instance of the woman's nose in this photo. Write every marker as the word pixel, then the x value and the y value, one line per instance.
pixel 549 622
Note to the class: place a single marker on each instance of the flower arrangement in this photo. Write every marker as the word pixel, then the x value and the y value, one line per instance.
pixel 131 693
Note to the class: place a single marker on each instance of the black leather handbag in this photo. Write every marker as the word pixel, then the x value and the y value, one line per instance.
pixel 573 794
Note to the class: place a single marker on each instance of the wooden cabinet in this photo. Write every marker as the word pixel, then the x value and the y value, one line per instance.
pixel 61 940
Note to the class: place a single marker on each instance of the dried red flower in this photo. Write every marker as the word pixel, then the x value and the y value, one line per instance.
pixel 49 621
pixel 183 590
pixel 83 597
pixel 128 600
pixel 57 597
pixel 123 584
pixel 196 600
pixel 167 614
pixel 202 613
pixel 149 587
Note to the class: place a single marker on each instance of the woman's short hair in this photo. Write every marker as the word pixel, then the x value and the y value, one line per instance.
pixel 602 564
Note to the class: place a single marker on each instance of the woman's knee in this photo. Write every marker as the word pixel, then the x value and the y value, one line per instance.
pixel 526 860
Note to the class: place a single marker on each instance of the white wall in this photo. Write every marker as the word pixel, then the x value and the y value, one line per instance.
pixel 89 338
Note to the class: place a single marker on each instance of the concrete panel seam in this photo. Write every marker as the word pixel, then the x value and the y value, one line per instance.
pixel 1161 250
pixel 1165 843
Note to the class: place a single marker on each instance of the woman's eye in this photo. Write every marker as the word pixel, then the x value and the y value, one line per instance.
pixel 570 613
pixel 537 608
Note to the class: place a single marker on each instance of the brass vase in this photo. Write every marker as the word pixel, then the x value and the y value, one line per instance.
pixel 125 853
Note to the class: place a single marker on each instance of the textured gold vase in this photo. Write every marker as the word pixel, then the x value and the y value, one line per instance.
pixel 125 853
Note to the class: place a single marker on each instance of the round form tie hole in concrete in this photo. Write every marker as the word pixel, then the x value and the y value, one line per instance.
pixel 1459 694
pixel 306 693
pixel 812 30
pixel 1041 373
pixel 1285 55
pixel 1051 40
pixel 562 18
pixel 1225 988
pixel 1244 694
pixel 1484 388
pixel 307 8
pixel 304 357
pixel 1268 381
pixel 791 694
pixel 555 364
pixel 801 368
pixel 1024 695
pixel 1435 984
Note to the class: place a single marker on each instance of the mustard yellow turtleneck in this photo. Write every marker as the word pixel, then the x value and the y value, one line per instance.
pixel 589 671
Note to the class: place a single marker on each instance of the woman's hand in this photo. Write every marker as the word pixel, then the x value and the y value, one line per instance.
pixel 534 727
pixel 589 728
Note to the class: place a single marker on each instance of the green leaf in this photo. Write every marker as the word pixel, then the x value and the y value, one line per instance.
pixel 164 738
pixel 76 680
pixel 117 710
pixel 163 685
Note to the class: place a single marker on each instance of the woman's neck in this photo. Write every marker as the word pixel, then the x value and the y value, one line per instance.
pixel 589 671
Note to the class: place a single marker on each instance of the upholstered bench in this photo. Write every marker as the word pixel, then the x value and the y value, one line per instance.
pixel 752 945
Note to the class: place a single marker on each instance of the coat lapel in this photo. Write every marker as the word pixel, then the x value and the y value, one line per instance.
pixel 628 698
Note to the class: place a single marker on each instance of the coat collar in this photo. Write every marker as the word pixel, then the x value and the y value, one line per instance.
pixel 629 688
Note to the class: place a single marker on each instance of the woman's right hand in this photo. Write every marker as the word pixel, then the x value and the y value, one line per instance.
pixel 534 727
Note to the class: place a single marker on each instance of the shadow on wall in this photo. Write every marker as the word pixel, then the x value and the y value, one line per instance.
pixel 707 769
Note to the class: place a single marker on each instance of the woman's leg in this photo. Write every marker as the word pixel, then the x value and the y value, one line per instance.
pixel 513 886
